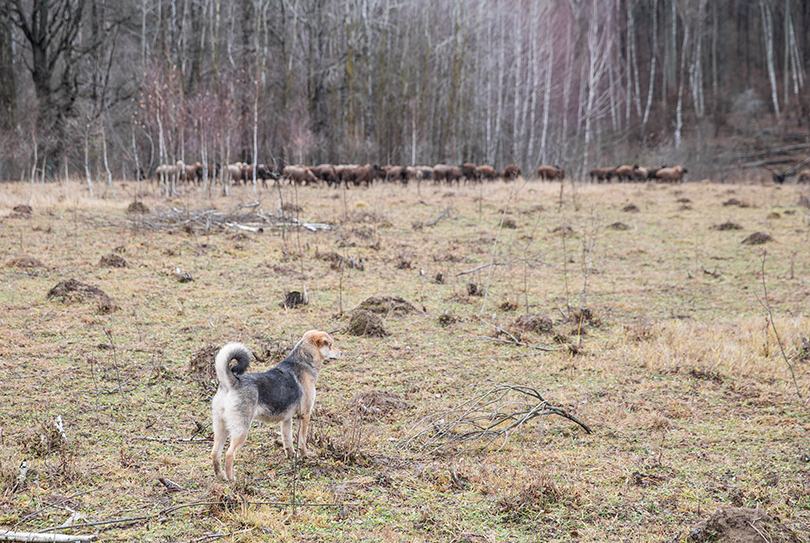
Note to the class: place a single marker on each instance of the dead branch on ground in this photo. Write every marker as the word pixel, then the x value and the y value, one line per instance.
pixel 489 416
pixel 210 219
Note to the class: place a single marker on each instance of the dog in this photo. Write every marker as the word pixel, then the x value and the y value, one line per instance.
pixel 275 395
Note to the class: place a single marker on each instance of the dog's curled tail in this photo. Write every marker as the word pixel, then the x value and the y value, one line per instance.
pixel 227 375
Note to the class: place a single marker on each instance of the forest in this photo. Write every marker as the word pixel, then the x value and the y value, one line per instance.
pixel 107 88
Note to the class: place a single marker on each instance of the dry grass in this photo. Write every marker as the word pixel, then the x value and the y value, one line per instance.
pixel 673 365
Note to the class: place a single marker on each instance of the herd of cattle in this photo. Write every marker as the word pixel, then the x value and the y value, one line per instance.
pixel 355 175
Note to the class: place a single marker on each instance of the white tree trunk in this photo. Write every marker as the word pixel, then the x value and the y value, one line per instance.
pixel 766 10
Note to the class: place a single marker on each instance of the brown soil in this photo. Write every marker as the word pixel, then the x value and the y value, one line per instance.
pixel 137 207
pixel 201 367
pixel 366 323
pixel 630 208
pixel 728 225
pixel 387 305
pixel 21 211
pixel 72 291
pixel 112 260
pixel 741 525
pixel 618 226
pixel 24 262
pixel 532 323
pixel 757 238
pixel 294 299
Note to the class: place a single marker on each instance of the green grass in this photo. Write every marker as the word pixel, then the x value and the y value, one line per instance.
pixel 680 375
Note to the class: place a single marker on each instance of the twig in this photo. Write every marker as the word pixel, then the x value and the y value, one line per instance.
pixel 518 343
pixel 435 221
pixel 767 306
pixel 175 439
pixel 34 537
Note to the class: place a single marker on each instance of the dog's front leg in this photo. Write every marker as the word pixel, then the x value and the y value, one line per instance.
pixel 303 432
pixel 286 437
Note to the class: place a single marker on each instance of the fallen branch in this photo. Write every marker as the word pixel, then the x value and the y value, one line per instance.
pixel 34 537
pixel 435 221
pixel 483 419
pixel 175 439
pixel 519 343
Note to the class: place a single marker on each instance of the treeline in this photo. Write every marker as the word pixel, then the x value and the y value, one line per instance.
pixel 105 88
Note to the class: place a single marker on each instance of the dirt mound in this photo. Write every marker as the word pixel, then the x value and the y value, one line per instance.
pixel 757 238
pixel 734 202
pixel 112 260
pixel 138 207
pixel 202 370
pixel 532 323
pixel 618 226
pixel 387 305
pixel 741 525
pixel 630 208
pixel 474 290
pixel 294 299
pixel 24 262
pixel 21 211
pixel 377 402
pixel 728 225
pixel 71 291
pixel 803 201
pixel 563 231
pixel 366 323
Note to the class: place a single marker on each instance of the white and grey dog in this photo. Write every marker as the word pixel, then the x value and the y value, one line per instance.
pixel 278 394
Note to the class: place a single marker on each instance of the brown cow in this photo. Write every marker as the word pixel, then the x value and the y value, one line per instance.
pixel 624 172
pixel 512 171
pixel 671 175
pixel 601 174
pixel 300 175
pixel 367 174
pixel 550 173
pixel 470 171
pixel 487 172
pixel 326 173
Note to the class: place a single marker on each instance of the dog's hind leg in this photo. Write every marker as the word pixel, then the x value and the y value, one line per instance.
pixel 286 437
pixel 237 440
pixel 220 435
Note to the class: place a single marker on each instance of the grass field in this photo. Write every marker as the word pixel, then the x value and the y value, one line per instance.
pixel 684 349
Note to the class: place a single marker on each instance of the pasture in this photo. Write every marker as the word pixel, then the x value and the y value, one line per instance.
pixel 659 328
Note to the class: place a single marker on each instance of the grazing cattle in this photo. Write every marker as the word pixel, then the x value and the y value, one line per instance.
pixel 624 172
pixel 550 173
pixel 804 176
pixel 326 173
pixel 299 175
pixel 346 173
pixel 235 172
pixel 165 171
pixel 396 173
pixel 189 172
pixel 640 173
pixel 470 171
pixel 512 171
pixel 267 171
pixel 423 172
pixel 487 172
pixel 601 174
pixel 671 175
pixel 366 175
pixel 440 172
